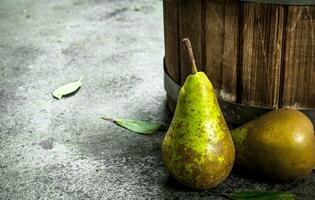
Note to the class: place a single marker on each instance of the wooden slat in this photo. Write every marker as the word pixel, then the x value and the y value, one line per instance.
pixel 230 50
pixel 171 35
pixel 221 38
pixel 191 26
pixel 261 34
pixel 299 67
pixel 214 39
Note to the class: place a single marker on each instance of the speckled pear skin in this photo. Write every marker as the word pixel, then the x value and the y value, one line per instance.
pixel 279 145
pixel 198 150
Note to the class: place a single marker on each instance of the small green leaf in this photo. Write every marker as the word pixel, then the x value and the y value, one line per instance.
pixel 66 89
pixel 256 195
pixel 137 126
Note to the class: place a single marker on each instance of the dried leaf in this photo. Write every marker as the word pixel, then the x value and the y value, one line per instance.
pixel 137 126
pixel 67 89
pixel 256 195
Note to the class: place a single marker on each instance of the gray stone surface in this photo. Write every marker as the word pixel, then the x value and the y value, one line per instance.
pixel 52 149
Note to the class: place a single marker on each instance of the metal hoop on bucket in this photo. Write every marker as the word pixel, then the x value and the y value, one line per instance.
pixel 234 113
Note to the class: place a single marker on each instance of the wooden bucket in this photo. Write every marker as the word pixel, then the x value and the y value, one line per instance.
pixel 258 54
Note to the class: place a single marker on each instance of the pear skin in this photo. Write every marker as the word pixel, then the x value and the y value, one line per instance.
pixel 279 145
pixel 198 149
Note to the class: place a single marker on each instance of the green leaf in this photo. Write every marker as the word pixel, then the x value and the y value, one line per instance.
pixel 256 195
pixel 137 126
pixel 67 89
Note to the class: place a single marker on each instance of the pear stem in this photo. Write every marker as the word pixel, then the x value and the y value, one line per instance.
pixel 190 52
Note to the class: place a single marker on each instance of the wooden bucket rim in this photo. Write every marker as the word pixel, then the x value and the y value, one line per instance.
pixel 285 2
pixel 278 2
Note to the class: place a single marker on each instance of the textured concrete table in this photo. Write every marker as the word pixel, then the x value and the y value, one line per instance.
pixel 52 149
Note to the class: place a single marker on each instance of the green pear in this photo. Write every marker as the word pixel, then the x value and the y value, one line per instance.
pixel 198 149
pixel 279 145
